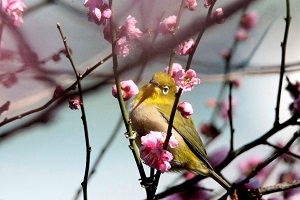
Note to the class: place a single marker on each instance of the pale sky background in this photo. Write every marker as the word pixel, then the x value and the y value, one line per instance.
pixel 46 162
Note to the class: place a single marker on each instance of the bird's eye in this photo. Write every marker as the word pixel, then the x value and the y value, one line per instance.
pixel 165 90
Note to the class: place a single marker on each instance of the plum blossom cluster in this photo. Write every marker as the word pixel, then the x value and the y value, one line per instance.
pixel 186 80
pixel 152 152
pixel 183 79
pixel 247 22
pixel 127 35
pixel 128 89
pixel 14 10
pixel 99 11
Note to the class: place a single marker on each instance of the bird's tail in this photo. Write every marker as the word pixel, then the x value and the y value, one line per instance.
pixel 219 179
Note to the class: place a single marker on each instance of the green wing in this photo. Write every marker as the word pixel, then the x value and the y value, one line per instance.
pixel 192 138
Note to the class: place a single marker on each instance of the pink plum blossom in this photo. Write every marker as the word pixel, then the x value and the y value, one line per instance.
pixel 297 104
pixel 186 80
pixel 225 107
pixel 219 16
pixel 190 4
pixel 129 88
pixel 14 10
pixel 129 29
pixel 293 89
pixel 195 192
pixel 236 83
pixel 74 103
pixel 185 109
pixel 185 48
pixel 98 11
pixel 247 165
pixel 8 80
pixel 168 25
pixel 249 20
pixel 225 53
pixel 218 156
pixel 188 175
pixel 175 68
pixel 126 36
pixel 209 130
pixel 122 47
pixel 241 34
pixel 152 151
pixel 208 3
pixel 106 13
pixel 211 102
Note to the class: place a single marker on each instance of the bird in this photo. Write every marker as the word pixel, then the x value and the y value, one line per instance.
pixel 150 111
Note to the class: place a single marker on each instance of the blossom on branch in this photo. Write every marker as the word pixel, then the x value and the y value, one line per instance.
pixel 99 11
pixel 186 80
pixel 152 151
pixel 8 80
pixel 209 130
pixel 218 156
pixel 208 3
pixel 185 48
pixel 225 53
pixel 175 68
pixel 219 16
pixel 246 167
pixel 248 20
pixel 225 108
pixel 129 29
pixel 190 5
pixel 14 10
pixel 297 104
pixel 74 103
pixel 185 109
pixel 129 88
pixel 241 34
pixel 126 35
pixel 168 25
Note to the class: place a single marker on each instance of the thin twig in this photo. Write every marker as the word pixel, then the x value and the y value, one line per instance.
pixel 132 144
pixel 101 153
pixel 55 97
pixel 280 187
pixel 83 117
pixel 230 119
pixel 282 67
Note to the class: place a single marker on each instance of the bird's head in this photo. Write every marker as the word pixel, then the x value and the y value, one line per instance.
pixel 160 90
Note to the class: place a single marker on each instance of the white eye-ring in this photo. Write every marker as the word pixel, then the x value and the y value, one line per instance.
pixel 165 90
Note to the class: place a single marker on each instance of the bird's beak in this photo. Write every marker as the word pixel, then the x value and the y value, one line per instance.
pixel 153 82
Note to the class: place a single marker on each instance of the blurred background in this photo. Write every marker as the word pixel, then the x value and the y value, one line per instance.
pixel 42 155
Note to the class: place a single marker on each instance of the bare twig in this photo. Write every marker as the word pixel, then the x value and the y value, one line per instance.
pixel 282 67
pixel 83 117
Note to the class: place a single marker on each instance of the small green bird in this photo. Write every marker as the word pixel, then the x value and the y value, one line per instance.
pixel 151 110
